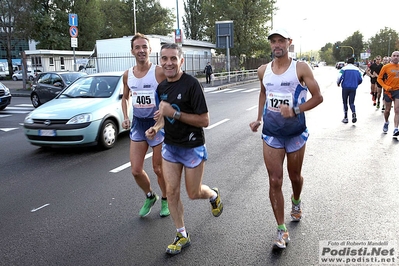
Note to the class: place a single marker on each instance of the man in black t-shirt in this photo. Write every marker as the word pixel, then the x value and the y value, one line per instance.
pixel 182 113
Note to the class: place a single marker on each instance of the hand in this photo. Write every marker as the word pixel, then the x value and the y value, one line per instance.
pixel 166 109
pixel 255 125
pixel 126 124
pixel 150 133
pixel 286 111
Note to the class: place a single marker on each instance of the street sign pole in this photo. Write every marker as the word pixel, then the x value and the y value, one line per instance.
pixel 73 31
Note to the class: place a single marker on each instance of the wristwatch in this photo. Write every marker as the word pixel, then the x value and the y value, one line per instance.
pixel 296 110
pixel 176 115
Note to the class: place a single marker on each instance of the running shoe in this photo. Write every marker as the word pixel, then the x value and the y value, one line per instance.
pixel 178 244
pixel 164 208
pixel 296 211
pixel 378 105
pixel 374 103
pixel 383 108
pixel 385 128
pixel 345 120
pixel 282 239
pixel 148 203
pixel 395 132
pixel 354 119
pixel 217 205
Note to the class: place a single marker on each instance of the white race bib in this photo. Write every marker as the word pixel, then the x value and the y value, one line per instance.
pixel 143 99
pixel 274 100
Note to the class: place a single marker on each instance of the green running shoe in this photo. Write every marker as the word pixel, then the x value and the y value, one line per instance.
pixel 164 208
pixel 148 203
pixel 178 244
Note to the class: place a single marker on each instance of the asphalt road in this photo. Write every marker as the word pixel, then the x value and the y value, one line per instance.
pixel 80 206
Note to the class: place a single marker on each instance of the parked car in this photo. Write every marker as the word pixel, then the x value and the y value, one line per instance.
pixel 50 84
pixel 339 65
pixel 5 96
pixel 31 75
pixel 88 112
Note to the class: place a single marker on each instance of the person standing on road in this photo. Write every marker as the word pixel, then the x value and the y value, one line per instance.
pixel 389 80
pixel 140 82
pixel 183 113
pixel 284 84
pixel 349 78
pixel 208 72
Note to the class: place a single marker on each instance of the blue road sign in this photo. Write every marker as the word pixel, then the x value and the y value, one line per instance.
pixel 73 20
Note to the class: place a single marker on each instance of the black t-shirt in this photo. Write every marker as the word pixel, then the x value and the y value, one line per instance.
pixel 376 68
pixel 185 95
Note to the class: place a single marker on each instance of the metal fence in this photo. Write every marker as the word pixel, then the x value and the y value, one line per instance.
pixel 193 64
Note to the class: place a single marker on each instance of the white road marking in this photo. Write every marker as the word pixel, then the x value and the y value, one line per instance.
pixel 232 91
pixel 8 129
pixel 127 165
pixel 219 91
pixel 253 107
pixel 217 124
pixel 251 90
pixel 41 207
pixel 1 116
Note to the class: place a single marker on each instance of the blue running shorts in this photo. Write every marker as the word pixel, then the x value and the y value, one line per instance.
pixel 139 127
pixel 290 145
pixel 189 157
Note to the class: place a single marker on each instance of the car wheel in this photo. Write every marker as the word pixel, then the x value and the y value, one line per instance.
pixel 35 100
pixel 14 78
pixel 2 108
pixel 108 134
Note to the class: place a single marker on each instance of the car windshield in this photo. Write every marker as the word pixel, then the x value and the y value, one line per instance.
pixel 92 87
pixel 71 77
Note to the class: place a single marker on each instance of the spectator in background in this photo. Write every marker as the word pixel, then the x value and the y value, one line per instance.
pixel 208 72
pixel 349 79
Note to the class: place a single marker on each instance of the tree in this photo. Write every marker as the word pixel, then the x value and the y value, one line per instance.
pixel 12 15
pixel 250 18
pixel 194 20
pixel 152 18
pixel 383 41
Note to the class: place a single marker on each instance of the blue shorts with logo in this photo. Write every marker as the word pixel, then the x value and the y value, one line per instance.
pixel 290 145
pixel 139 127
pixel 189 157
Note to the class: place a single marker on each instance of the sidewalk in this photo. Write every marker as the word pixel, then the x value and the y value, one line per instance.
pixel 16 87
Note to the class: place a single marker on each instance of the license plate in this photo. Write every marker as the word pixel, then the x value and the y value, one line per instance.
pixel 47 133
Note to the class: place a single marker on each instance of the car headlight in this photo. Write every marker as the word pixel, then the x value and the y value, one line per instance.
pixel 79 119
pixel 28 120
pixel 7 91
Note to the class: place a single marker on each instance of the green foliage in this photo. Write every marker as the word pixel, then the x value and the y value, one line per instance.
pixel 383 43
pixel 194 21
pixel 249 17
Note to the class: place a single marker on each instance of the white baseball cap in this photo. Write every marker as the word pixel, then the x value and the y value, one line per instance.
pixel 281 32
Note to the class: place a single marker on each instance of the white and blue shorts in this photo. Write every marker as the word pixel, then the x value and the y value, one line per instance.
pixel 290 145
pixel 189 157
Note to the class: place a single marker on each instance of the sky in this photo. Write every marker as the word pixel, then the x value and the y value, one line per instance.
pixel 313 23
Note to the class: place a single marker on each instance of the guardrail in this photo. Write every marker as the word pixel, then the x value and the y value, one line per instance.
pixel 233 76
